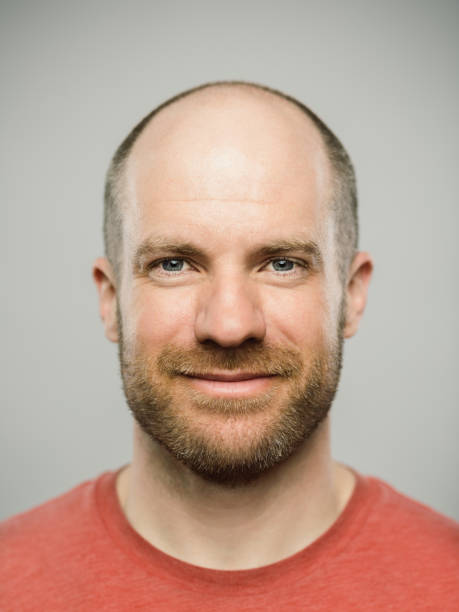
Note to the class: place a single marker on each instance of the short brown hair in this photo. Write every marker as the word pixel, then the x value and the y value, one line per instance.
pixel 344 201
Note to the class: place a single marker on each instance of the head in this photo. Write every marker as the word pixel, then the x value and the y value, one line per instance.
pixel 231 251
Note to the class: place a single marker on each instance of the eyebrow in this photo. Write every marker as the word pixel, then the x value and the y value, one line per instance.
pixel 152 246
pixel 306 247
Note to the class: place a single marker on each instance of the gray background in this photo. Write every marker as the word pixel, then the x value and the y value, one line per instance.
pixel 76 76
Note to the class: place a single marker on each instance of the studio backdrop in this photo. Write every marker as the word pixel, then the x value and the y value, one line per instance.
pixel 77 76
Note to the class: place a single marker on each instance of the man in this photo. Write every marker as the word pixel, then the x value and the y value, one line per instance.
pixel 230 281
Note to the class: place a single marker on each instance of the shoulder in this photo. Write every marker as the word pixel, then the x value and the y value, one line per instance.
pixel 48 530
pixel 44 552
pixel 46 515
pixel 403 532
pixel 397 552
pixel 397 510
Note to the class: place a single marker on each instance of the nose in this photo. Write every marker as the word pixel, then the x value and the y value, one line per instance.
pixel 230 313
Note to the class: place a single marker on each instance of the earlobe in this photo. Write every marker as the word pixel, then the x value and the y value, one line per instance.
pixel 104 279
pixel 357 291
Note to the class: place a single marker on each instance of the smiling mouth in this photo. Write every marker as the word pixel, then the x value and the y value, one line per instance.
pixel 230 376
pixel 231 384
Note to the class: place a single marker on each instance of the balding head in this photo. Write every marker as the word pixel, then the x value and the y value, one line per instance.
pixel 231 141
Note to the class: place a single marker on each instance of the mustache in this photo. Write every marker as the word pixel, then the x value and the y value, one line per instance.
pixel 256 359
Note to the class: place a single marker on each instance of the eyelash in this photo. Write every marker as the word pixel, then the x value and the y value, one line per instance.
pixel 155 264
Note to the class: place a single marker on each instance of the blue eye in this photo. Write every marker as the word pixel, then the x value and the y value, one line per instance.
pixel 172 265
pixel 283 265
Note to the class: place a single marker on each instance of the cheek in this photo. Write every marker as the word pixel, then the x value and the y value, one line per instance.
pixel 302 317
pixel 162 317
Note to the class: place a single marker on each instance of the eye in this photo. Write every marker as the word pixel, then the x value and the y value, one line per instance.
pixel 172 265
pixel 168 266
pixel 287 269
pixel 283 265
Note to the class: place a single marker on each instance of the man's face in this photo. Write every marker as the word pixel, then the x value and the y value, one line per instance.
pixel 230 309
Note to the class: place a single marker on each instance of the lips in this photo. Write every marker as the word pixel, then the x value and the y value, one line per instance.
pixel 231 384
pixel 230 376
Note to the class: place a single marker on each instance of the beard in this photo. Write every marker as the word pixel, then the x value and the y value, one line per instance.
pixel 230 441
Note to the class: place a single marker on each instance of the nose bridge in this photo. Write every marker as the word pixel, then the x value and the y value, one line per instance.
pixel 230 311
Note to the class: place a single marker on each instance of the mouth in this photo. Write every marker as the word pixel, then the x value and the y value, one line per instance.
pixel 231 384
pixel 231 376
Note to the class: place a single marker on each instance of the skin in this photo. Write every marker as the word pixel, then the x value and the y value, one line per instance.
pixel 230 170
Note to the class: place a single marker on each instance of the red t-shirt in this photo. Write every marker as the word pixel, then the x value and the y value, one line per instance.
pixel 78 552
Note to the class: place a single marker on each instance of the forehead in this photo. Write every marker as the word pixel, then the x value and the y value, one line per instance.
pixel 223 156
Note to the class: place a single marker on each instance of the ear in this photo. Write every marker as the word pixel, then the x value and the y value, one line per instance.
pixel 104 278
pixel 357 291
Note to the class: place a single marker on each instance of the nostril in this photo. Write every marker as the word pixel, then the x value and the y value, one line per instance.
pixel 230 328
pixel 215 345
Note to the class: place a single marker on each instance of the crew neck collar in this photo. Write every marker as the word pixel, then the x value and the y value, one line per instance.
pixel 275 575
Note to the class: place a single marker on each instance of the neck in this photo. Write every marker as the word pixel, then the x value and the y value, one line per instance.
pixel 212 526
